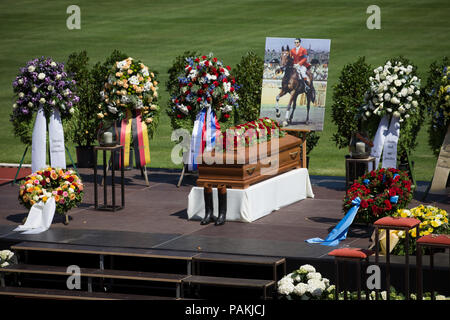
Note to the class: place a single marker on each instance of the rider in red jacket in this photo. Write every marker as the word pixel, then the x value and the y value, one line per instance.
pixel 300 56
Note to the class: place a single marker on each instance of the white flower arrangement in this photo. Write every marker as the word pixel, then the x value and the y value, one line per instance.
pixel 393 91
pixel 305 284
pixel 6 257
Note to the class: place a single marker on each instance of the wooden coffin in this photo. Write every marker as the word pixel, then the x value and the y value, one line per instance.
pixel 242 167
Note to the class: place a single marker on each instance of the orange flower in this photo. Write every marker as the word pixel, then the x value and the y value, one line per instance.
pixel 53 175
pixel 30 190
pixel 72 196
pixel 44 199
pixel 57 198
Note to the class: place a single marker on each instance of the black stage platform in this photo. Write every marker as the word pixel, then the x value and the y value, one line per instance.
pixel 155 217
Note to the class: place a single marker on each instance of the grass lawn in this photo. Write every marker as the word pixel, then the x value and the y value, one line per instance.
pixel 157 31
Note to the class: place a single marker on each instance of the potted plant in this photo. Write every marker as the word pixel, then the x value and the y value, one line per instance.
pixel 249 75
pixel 82 128
pixel 348 96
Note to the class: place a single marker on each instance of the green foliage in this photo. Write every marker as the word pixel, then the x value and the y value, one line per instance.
pixel 83 125
pixel 433 99
pixel 348 96
pixel 23 130
pixel 249 74
pixel 312 138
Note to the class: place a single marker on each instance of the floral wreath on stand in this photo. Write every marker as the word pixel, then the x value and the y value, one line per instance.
pixel 206 81
pixel 64 185
pixel 382 192
pixel 394 92
pixel 129 102
pixel 131 86
pixel 41 83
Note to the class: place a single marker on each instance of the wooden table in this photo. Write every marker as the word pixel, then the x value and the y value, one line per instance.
pixel 113 150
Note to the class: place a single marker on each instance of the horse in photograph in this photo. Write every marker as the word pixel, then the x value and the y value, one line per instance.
pixel 291 84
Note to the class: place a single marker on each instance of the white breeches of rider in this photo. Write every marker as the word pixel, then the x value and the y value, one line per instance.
pixel 301 70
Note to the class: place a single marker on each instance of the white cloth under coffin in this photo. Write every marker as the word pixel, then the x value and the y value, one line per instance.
pixel 257 201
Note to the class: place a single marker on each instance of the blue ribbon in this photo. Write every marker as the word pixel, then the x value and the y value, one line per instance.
pixel 339 232
pixel 394 199
pixel 366 181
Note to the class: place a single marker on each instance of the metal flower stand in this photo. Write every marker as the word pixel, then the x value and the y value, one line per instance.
pixel 112 149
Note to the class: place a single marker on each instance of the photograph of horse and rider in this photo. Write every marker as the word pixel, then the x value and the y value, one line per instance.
pixel 295 82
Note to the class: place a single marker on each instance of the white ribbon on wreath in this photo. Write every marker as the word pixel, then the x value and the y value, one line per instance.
pixel 385 142
pixel 56 138
pixel 39 218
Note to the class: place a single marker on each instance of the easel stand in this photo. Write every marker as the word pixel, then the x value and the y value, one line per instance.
pixel 23 158
pixel 409 168
pixel 185 168
pixel 440 183
pixel 183 172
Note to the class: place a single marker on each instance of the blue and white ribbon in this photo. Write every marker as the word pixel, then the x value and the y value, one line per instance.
pixel 205 131
pixel 339 233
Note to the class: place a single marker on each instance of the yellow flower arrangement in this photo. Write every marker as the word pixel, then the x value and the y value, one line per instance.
pixel 432 220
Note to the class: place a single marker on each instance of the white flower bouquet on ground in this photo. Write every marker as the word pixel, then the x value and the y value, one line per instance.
pixel 305 284
pixel 6 258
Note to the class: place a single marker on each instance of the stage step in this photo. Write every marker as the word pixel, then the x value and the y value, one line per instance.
pixel 108 251
pixel 37 293
pixel 193 277
pixel 273 262
pixel 230 282
pixel 98 250
pixel 98 273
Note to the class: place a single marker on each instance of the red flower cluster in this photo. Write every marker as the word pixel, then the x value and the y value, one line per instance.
pixel 252 132
pixel 381 191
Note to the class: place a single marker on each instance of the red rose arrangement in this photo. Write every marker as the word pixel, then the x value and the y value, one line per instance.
pixel 382 192
pixel 251 133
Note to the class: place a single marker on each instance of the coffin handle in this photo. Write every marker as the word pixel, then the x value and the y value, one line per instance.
pixel 293 155
pixel 250 170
